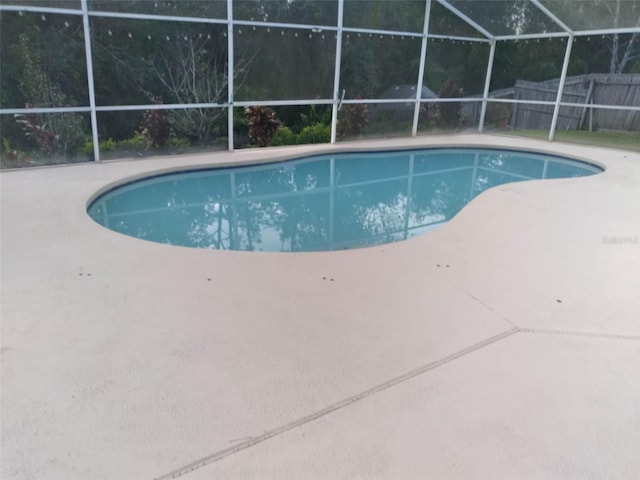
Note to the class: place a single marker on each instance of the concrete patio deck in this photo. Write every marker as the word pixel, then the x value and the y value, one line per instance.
pixel 504 345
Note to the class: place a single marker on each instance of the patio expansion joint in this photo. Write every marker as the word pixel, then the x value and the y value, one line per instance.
pixel 577 333
pixel 214 457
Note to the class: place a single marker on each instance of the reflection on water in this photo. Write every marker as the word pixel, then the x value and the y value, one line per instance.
pixel 328 202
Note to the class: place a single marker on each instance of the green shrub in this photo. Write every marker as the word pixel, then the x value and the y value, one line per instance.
pixel 240 121
pixel 12 157
pixel 137 142
pixel 179 143
pixel 107 145
pixel 284 136
pixel 317 114
pixel 316 133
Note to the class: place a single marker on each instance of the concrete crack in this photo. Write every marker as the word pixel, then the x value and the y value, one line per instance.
pixel 491 309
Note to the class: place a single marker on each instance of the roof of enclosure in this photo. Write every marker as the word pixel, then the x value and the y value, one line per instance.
pixel 499 19
pixel 491 19
pixel 517 18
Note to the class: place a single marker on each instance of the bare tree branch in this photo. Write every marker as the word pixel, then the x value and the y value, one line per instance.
pixel 627 53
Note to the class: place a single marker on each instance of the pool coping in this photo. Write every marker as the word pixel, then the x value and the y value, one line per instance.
pixel 262 163
pixel 274 155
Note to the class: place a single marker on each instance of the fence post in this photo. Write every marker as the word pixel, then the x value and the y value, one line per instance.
pixel 587 101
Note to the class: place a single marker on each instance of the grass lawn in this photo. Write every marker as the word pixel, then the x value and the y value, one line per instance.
pixel 621 140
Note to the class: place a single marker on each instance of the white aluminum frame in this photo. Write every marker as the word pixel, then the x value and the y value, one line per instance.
pixel 90 84
pixel 421 67
pixel 339 30
pixel 336 100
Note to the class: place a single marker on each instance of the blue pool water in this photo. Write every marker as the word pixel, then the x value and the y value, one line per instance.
pixel 325 202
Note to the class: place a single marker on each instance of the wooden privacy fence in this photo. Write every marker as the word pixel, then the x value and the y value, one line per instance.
pixel 603 89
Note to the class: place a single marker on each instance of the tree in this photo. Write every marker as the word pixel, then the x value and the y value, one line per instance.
pixel 194 71
pixel 58 135
pixel 622 52
pixel 179 63
pixel 623 49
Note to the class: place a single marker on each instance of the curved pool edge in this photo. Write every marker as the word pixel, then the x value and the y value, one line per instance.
pixel 168 191
pixel 271 155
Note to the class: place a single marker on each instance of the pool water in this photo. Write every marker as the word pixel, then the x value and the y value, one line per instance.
pixel 325 202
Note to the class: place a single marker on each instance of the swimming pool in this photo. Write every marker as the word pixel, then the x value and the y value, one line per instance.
pixel 326 202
